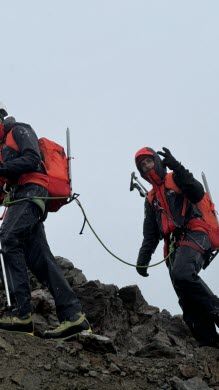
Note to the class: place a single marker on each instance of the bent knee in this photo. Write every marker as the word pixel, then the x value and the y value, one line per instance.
pixel 9 242
pixel 183 278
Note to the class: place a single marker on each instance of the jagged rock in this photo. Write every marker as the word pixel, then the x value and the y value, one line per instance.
pixel 191 384
pixel 132 297
pixel 114 369
pixel 93 342
pixel 146 312
pixel 42 302
pixel 157 349
pixel 93 374
pixel 6 346
pixel 176 340
pixel 64 366
pixel 18 376
pixel 162 338
pixel 145 346
pixel 47 367
pixel 74 275
pixel 188 371
pixel 26 379
pixel 83 368
pixel 166 313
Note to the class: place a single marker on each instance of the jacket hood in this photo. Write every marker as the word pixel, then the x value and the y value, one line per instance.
pixel 158 173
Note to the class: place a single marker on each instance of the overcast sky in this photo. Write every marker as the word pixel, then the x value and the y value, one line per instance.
pixel 122 75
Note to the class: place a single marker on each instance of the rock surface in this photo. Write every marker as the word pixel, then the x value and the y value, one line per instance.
pixel 139 348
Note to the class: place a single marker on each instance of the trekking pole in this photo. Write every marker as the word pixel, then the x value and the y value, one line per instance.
pixel 5 278
pixel 69 158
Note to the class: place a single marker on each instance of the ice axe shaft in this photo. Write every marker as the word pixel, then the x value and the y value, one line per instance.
pixel 69 157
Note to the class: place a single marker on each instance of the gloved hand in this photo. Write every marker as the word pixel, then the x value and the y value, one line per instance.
pixel 6 200
pixel 3 171
pixel 169 161
pixel 142 271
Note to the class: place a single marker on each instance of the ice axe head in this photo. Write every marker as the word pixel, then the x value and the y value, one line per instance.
pixel 132 184
pixel 135 185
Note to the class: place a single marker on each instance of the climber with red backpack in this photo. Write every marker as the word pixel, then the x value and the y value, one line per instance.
pixel 179 211
pixel 26 171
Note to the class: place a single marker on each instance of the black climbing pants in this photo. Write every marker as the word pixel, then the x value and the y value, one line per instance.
pixel 24 244
pixel 195 298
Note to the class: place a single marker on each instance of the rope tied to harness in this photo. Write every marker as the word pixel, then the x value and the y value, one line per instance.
pixel 39 201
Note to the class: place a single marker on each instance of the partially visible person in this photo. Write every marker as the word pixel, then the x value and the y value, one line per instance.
pixel 23 237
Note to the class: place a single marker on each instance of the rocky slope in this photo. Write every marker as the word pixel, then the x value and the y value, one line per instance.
pixel 145 349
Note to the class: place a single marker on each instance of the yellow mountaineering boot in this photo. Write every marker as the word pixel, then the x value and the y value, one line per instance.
pixel 70 327
pixel 17 323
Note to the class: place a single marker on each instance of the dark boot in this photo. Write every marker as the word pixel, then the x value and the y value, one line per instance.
pixel 18 323
pixel 70 327
pixel 203 329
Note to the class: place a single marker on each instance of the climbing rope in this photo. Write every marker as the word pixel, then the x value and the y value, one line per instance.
pixel 171 247
pixel 74 197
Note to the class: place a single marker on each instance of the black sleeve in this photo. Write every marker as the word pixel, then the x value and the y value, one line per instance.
pixel 29 158
pixel 151 234
pixel 189 186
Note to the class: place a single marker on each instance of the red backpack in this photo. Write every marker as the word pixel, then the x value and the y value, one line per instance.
pixel 210 224
pixel 55 163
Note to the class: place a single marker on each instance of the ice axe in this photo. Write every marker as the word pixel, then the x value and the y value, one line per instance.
pixel 144 193
pixel 139 186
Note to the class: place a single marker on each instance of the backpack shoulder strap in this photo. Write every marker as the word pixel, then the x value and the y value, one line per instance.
pixel 150 196
pixel 9 141
pixel 170 183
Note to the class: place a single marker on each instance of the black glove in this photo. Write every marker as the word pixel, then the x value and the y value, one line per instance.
pixel 3 171
pixel 142 271
pixel 169 161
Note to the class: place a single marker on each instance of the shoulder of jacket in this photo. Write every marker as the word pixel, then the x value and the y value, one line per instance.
pixel 21 127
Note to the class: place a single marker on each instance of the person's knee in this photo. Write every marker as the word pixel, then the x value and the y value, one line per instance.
pixel 183 277
pixel 8 242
